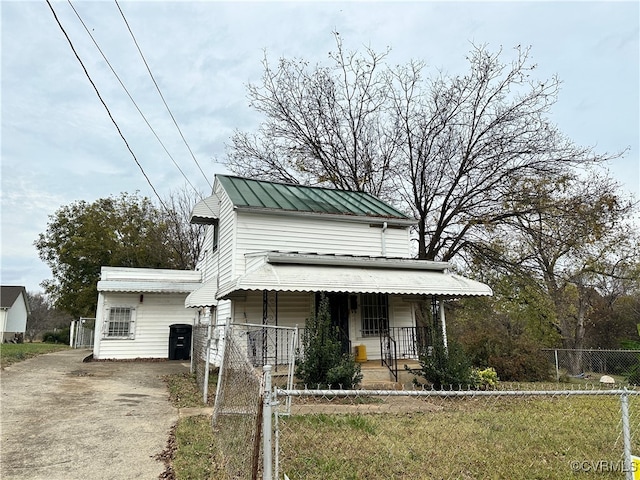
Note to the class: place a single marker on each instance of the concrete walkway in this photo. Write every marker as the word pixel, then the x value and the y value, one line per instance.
pixel 62 419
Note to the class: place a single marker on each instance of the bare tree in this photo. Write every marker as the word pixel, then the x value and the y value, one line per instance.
pixel 452 151
pixel 324 125
pixel 44 316
pixel 184 238
pixel 468 144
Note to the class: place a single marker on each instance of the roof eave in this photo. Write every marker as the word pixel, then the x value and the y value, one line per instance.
pixel 354 261
pixel 340 217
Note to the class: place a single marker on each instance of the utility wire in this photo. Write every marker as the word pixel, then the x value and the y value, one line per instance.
pixel 160 93
pixel 131 98
pixel 105 105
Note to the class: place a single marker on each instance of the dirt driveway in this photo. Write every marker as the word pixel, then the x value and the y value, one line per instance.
pixel 62 419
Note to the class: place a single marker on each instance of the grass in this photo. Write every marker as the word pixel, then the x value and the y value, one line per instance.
pixel 195 456
pixel 191 452
pixel 184 391
pixel 467 438
pixel 11 353
pixel 489 439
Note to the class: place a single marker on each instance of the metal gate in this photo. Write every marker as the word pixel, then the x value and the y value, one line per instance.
pixel 82 333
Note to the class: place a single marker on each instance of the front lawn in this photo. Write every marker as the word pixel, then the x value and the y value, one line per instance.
pixel 554 437
pixel 16 352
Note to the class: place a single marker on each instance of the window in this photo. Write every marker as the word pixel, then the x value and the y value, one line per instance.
pixel 120 323
pixel 216 232
pixel 374 308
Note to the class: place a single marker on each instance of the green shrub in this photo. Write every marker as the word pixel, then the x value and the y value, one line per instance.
pixel 61 335
pixel 633 375
pixel 323 362
pixel 485 378
pixel 450 368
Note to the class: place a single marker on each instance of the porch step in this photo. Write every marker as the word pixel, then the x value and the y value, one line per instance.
pixel 375 375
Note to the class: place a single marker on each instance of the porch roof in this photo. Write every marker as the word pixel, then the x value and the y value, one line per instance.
pixel 293 277
pixel 204 296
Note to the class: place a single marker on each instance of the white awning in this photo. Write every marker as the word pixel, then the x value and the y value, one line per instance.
pixel 332 278
pixel 206 211
pixel 131 286
pixel 205 296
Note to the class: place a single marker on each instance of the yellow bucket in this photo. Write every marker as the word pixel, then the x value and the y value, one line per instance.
pixel 361 353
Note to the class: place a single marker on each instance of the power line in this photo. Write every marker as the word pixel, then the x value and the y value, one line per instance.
pixel 160 93
pixel 95 88
pixel 131 97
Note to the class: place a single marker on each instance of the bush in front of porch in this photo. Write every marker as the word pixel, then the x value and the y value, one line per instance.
pixel 322 362
pixel 446 368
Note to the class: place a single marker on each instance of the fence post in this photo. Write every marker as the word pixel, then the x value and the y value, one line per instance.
pixel 626 434
pixel 72 331
pixel 267 429
pixel 205 389
pixel 555 352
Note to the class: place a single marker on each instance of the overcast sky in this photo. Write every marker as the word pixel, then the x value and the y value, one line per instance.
pixel 59 146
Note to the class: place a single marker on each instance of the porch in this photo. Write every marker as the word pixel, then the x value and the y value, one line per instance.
pixel 385 366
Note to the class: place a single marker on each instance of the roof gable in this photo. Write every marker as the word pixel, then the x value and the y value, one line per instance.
pixel 9 295
pixel 258 194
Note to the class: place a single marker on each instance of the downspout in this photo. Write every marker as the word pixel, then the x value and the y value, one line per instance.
pixel 383 239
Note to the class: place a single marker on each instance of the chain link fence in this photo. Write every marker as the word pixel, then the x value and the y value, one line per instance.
pixel 592 364
pixel 237 412
pixel 82 332
pixel 551 434
pixel 200 356
pixel 237 416
pixel 268 429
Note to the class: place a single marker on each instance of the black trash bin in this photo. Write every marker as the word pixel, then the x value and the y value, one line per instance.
pixel 179 341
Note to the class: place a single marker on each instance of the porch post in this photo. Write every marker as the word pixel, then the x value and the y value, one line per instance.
pixel 443 324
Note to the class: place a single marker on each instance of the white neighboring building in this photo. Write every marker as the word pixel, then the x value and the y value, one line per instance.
pixel 137 308
pixel 14 310
pixel 271 249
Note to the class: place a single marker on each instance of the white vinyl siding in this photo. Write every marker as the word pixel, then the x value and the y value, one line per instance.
pixel 152 320
pixel 304 234
pixel 16 317
pixel 226 239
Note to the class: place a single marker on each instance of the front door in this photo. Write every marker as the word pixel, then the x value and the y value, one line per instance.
pixel 339 310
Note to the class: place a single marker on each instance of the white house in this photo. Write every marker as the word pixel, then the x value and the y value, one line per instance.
pixel 14 310
pixel 272 249
pixel 141 313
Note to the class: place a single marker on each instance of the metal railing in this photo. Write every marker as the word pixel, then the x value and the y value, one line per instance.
pixel 410 341
pixel 389 354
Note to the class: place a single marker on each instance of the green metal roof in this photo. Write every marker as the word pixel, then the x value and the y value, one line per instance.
pixel 249 193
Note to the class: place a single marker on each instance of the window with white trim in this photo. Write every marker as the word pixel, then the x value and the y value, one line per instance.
pixel 120 323
pixel 374 309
